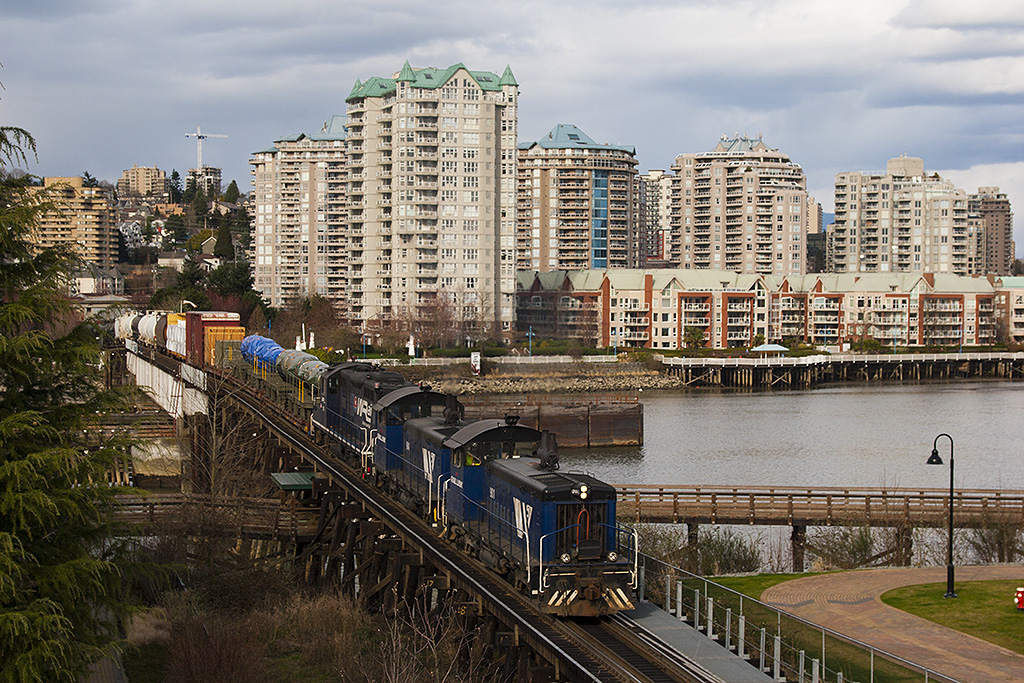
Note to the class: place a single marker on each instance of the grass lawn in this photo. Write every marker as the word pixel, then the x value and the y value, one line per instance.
pixel 984 609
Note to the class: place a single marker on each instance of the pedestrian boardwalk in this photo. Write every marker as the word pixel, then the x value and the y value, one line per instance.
pixel 850 603
pixel 255 518
pixel 777 505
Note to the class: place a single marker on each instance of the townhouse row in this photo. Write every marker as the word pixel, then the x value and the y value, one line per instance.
pixel 673 309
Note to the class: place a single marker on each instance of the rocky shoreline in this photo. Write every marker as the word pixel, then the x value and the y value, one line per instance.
pixel 554 381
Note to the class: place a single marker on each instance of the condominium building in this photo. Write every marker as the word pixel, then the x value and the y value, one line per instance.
pixel 740 207
pixel 655 206
pixel 84 219
pixel 144 181
pixel 431 189
pixel 899 220
pixel 576 203
pixel 665 308
pixel 299 240
pixel 988 211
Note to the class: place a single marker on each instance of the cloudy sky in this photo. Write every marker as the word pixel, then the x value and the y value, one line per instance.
pixel 104 84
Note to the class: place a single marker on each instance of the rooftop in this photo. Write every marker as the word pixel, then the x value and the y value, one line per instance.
pixel 429 78
pixel 568 136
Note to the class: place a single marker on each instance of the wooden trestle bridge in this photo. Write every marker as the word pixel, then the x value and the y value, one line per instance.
pixel 825 369
pixel 901 509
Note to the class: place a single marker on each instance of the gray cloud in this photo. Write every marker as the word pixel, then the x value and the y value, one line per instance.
pixel 110 83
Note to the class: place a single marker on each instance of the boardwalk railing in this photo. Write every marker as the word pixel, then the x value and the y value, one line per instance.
pixel 786 646
pixel 265 518
pixel 819 506
pixel 837 359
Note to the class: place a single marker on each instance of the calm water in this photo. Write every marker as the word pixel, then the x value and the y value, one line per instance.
pixel 875 435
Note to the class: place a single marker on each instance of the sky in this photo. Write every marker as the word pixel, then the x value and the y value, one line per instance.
pixel 837 86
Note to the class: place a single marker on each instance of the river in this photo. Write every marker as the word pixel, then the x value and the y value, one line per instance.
pixel 869 435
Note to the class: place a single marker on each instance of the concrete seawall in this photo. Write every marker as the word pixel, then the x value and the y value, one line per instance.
pixel 600 421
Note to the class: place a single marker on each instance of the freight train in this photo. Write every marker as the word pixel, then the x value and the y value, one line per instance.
pixel 492 485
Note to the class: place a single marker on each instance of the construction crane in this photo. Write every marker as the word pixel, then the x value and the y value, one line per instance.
pixel 199 135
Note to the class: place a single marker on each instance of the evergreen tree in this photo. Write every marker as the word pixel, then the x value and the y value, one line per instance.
pixel 199 203
pixel 232 278
pixel 190 191
pixel 175 232
pixel 231 194
pixel 224 249
pixel 176 191
pixel 57 588
pixel 88 180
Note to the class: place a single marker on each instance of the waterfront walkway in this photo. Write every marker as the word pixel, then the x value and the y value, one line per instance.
pixel 850 603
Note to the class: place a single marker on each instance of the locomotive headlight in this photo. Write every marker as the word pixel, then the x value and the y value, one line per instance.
pixel 581 491
pixel 613 556
pixel 566 558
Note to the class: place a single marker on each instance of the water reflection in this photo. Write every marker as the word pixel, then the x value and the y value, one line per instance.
pixel 871 435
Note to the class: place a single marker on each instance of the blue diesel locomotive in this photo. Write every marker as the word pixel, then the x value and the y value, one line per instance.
pixel 493 485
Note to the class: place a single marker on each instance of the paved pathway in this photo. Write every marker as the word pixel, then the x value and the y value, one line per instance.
pixel 850 603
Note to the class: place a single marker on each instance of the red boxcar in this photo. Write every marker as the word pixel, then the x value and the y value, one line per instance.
pixel 196 324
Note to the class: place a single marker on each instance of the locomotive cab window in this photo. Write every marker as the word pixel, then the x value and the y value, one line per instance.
pixel 479 452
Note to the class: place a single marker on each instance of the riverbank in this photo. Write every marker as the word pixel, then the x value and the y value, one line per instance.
pixel 620 378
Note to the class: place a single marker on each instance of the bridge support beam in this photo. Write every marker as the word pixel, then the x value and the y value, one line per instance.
pixel 798 543
pixel 904 550
pixel 692 541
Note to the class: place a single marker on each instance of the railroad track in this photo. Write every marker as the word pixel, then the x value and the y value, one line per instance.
pixel 579 653
pixel 637 654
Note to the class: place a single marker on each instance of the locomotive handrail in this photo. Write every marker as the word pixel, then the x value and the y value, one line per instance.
pixel 634 573
pixel 514 530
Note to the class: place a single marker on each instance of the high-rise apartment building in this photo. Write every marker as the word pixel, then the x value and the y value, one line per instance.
pixel 988 211
pixel 577 203
pixel 299 232
pixel 84 219
pixel 144 181
pixel 740 207
pixel 431 190
pixel 899 220
pixel 655 206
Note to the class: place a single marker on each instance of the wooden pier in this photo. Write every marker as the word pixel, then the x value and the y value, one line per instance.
pixel 810 371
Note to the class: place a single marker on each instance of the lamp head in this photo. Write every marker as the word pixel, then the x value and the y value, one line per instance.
pixel 934 459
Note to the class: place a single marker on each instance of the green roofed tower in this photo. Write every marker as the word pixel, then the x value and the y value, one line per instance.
pixel 431 199
pixel 578 203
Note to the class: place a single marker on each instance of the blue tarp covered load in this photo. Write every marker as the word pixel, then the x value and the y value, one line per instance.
pixel 264 351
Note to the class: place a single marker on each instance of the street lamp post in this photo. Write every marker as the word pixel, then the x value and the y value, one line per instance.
pixel 934 459
pixel 531 335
